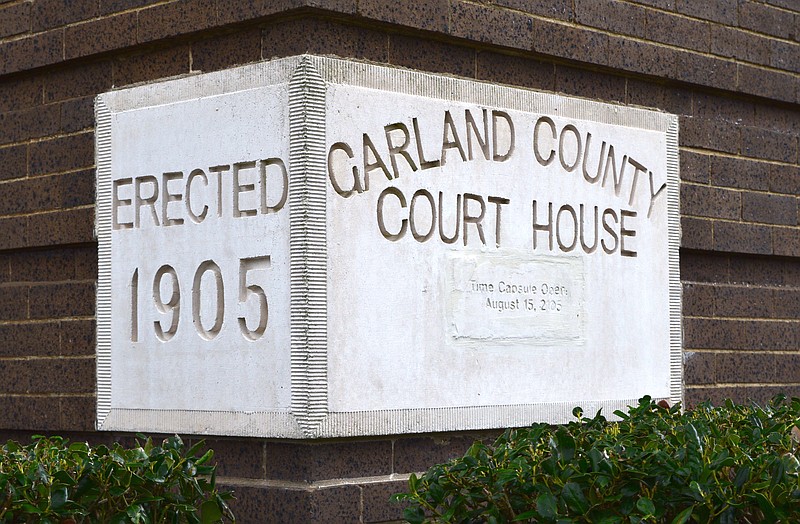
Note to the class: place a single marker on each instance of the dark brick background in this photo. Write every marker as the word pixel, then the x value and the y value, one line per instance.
pixel 729 69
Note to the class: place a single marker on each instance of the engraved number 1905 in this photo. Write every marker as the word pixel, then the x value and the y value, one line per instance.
pixel 207 328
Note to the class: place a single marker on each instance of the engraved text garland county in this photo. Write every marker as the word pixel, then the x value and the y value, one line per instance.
pixel 491 136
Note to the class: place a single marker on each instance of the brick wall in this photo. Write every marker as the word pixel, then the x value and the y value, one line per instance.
pixel 729 68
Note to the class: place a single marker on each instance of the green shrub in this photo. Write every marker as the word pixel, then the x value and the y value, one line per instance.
pixel 734 464
pixel 53 481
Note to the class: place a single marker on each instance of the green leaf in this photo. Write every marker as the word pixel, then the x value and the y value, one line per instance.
pixel 210 512
pixel 547 506
pixel 646 506
pixel 742 476
pixel 683 516
pixel 575 499
pixel 58 497
pixel 565 444
pixel 766 507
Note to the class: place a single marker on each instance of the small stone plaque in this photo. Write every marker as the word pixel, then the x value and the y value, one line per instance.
pixel 316 247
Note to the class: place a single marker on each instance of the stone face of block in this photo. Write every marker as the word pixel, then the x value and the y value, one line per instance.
pixel 315 247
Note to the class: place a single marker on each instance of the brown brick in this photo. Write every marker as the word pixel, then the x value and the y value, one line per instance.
pixel 612 15
pixel 32 51
pixel 583 45
pixel 377 507
pixel 723 11
pixel 704 267
pixel 252 504
pixel 742 238
pixel 786 4
pixel 698 300
pixel 415 454
pixel 558 9
pixel 787 368
pixel 663 4
pixel 16 126
pixel 213 54
pixel 739 394
pixel 786 56
pixel 590 84
pixel 85 258
pixel 238 458
pixel 5 269
pixel 339 504
pixel 16 193
pixel 739 173
pixel 699 368
pixel 696 233
pixel 13 302
pixel 77 337
pixel 668 98
pixel 712 333
pixel 745 367
pixel 278 504
pixel 321 37
pixel 743 302
pixel 74 226
pixel 786 242
pixel 431 56
pixel 114 6
pixel 767 83
pixel 481 23
pixel 704 70
pixel 77 413
pixel 515 70
pixel 231 12
pixel 13 232
pixel 772 145
pixel 15 19
pixel 176 18
pixel 150 66
pixel 679 31
pixel 77 115
pixel 47 14
pixel 714 106
pixel 45 193
pixel 29 412
pixel 431 16
pixel 42 265
pixel 13 162
pixel 106 34
pixel 769 209
pixel 328 460
pixel 735 43
pixel 714 134
pixel 705 201
pixel 764 271
pixel 73 299
pixel 75 189
pixel 786 303
pixel 695 167
pixel 765 19
pixel 86 80
pixel 771 335
pixel 779 118
pixel 47 375
pixel 62 154
pixel 20 94
pixel 28 340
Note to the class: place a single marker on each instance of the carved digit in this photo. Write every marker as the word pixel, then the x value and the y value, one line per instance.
pixel 245 291
pixel 219 310
pixel 135 306
pixel 173 305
